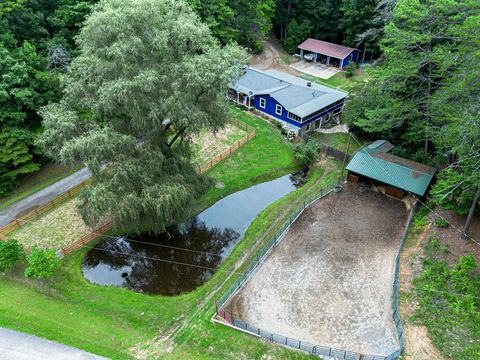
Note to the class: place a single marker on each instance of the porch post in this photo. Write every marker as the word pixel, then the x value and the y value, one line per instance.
pixel 238 97
pixel 315 58
pixel 328 60
pixel 301 54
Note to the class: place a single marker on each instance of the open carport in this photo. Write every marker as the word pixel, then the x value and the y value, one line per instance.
pixel 329 280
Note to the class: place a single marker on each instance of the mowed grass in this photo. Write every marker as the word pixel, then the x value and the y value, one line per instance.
pixel 265 157
pixel 340 80
pixel 120 323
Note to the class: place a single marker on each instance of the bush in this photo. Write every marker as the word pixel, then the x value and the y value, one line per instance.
pixel 42 263
pixel 10 252
pixel 351 69
pixel 441 223
pixel 306 154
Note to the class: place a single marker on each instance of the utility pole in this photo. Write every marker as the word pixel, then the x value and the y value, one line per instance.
pixel 345 158
pixel 470 214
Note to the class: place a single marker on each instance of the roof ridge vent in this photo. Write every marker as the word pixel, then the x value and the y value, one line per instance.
pixel 315 94
pixel 309 83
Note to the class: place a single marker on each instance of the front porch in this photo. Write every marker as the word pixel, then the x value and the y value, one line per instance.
pixel 241 98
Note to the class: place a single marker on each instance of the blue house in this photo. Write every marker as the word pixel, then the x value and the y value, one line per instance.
pixel 328 53
pixel 299 104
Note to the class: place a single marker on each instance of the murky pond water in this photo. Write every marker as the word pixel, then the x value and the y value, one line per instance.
pixel 186 256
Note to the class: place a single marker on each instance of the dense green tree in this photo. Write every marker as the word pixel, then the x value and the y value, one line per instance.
pixel 297 34
pixel 368 40
pixel 148 75
pixel 219 16
pixel 418 58
pixel 253 20
pixel 457 103
pixel 25 86
pixel 356 17
pixel 247 22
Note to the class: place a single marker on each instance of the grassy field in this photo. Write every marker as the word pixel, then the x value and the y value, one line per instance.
pixel 31 183
pixel 339 141
pixel 122 324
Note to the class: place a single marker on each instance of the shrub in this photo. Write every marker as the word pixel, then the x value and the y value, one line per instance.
pixel 306 153
pixel 441 223
pixel 10 252
pixel 42 263
pixel 351 69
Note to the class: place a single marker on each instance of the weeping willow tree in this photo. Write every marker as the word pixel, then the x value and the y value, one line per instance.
pixel 148 75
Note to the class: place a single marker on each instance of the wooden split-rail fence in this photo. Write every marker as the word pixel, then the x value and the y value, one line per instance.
pixel 37 212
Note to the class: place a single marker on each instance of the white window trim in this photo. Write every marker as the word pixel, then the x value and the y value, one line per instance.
pixel 276 109
pixel 264 103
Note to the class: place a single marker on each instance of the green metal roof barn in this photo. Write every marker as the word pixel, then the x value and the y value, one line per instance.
pixel 373 161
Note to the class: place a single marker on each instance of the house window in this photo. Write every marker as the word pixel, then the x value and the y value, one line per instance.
pixel 263 103
pixel 278 109
pixel 294 117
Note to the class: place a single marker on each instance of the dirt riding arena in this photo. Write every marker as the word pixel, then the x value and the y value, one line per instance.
pixel 329 281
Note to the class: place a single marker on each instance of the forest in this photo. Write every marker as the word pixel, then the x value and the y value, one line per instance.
pixel 422 92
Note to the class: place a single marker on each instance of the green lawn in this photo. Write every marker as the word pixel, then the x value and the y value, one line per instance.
pixel 340 80
pixel 265 157
pixel 119 323
pixel 31 183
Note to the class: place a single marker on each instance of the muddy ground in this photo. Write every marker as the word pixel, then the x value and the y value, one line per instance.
pixel 329 281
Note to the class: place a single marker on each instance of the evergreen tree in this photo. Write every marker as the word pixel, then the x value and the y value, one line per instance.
pixel 356 17
pixel 297 34
pixel 418 59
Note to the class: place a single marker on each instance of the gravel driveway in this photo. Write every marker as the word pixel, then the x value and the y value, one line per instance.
pixel 43 196
pixel 15 345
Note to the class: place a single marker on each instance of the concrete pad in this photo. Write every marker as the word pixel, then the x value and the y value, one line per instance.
pixel 329 281
pixel 315 69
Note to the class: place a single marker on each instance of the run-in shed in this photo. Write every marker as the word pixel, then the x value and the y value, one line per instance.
pixel 328 53
pixel 399 174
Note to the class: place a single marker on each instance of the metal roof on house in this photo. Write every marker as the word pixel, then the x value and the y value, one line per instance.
pixel 392 170
pixel 326 48
pixel 290 91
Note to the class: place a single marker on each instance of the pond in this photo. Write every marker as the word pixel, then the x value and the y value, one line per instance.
pixel 186 256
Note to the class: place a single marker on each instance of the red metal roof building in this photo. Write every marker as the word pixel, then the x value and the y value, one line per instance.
pixel 328 53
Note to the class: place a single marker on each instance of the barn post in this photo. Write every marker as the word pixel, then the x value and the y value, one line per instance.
pixel 328 60
pixel 301 54
pixel 238 97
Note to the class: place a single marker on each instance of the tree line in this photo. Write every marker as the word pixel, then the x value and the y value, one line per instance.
pixel 422 95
